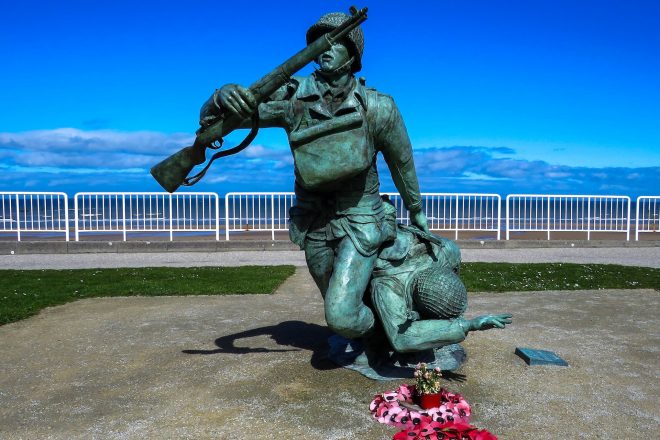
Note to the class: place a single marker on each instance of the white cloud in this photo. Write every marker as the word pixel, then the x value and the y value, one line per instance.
pixel 216 179
pixel 76 141
pixel 462 167
pixel 100 160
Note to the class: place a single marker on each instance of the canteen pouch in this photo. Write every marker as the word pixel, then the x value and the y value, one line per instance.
pixel 331 150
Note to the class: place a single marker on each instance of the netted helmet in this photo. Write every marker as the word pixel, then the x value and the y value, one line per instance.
pixel 355 41
pixel 438 293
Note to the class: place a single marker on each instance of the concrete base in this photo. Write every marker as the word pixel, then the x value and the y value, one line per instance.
pixel 137 246
pixel 345 352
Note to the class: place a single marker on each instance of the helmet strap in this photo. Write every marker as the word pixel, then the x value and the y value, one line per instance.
pixel 341 70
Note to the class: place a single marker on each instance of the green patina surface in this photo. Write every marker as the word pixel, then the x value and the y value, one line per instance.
pixel 366 267
pixel 336 127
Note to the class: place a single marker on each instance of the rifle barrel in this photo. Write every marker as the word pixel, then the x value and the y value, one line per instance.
pixel 275 79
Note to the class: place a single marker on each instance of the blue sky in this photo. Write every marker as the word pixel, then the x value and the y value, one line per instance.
pixel 498 96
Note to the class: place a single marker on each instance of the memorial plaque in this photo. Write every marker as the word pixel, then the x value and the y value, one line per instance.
pixel 540 357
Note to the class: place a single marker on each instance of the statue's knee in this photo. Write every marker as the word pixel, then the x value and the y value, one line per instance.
pixel 345 329
pixel 342 323
pixel 348 325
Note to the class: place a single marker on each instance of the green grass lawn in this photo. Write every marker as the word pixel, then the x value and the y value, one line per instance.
pixel 25 292
pixel 507 277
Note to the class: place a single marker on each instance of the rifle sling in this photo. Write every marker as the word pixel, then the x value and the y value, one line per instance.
pixel 190 181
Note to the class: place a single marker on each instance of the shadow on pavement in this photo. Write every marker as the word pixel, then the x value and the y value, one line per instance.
pixel 302 335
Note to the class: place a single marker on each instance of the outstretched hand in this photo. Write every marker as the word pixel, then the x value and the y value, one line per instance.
pixel 486 322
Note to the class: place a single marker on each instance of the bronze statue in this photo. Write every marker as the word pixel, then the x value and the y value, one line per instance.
pixel 336 126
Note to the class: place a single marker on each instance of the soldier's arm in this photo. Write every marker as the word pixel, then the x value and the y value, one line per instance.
pixel 392 139
pixel 239 100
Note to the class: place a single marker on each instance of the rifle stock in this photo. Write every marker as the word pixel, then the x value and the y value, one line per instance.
pixel 171 172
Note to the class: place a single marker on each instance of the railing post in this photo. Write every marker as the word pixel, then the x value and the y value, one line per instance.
pixel 272 216
pixel 637 219
pixel 499 218
pixel 171 220
pixel 548 217
pixel 217 216
pixel 628 222
pixel 456 234
pixel 66 216
pixel 227 217
pixel 75 214
pixel 123 216
pixel 506 226
pixel 588 218
pixel 18 218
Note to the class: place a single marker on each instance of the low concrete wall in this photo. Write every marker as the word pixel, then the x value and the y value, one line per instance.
pixel 81 247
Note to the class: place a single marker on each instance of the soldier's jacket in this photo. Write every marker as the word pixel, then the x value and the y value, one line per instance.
pixel 335 142
pixel 332 146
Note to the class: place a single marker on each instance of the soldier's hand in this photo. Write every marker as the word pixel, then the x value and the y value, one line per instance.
pixel 210 112
pixel 419 219
pixel 486 322
pixel 237 100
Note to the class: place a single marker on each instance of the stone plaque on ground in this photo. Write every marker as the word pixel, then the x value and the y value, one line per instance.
pixel 540 357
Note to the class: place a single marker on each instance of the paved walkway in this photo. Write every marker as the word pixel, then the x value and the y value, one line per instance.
pixel 254 367
pixel 638 256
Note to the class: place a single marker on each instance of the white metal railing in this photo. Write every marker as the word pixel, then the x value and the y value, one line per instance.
pixel 579 213
pixel 125 212
pixel 253 211
pixel 456 211
pixel 647 215
pixel 34 212
pixel 256 211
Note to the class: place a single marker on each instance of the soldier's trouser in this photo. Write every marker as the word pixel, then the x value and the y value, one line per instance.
pixel 342 274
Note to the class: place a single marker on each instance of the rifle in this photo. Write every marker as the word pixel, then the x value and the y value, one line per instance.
pixel 173 171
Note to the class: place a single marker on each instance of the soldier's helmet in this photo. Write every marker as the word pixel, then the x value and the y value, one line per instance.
pixel 451 255
pixel 438 293
pixel 330 21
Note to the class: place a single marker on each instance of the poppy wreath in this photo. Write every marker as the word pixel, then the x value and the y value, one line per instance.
pixel 430 430
pixel 448 421
pixel 386 408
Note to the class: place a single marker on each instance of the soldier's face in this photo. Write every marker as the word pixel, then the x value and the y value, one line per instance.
pixel 333 58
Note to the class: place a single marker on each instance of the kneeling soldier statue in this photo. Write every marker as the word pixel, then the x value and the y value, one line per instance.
pixel 336 127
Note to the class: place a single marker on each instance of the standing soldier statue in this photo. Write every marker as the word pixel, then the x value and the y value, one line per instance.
pixel 336 127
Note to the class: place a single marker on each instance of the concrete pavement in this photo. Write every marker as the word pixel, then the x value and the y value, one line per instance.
pixel 254 367
pixel 632 256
